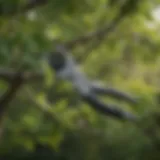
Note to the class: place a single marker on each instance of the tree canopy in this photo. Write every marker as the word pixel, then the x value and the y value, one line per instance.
pixel 114 41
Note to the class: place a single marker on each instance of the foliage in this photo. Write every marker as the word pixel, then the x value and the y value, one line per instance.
pixel 47 118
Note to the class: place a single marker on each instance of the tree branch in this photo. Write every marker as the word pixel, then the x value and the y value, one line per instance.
pixel 9 75
pixel 99 33
pixel 33 4
pixel 7 97
pixel 103 32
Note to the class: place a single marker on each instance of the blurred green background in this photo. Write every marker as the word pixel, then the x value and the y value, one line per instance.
pixel 46 119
